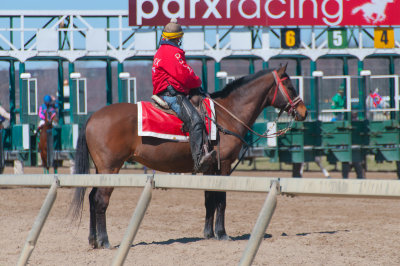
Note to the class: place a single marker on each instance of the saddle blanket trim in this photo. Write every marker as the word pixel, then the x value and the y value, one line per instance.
pixel 177 135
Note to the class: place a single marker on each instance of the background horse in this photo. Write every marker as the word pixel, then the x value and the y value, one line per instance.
pixel 50 119
pixel 110 137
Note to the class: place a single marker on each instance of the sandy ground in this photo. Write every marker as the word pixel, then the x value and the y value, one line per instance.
pixel 303 230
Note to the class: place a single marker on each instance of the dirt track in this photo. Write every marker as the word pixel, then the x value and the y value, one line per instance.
pixel 303 230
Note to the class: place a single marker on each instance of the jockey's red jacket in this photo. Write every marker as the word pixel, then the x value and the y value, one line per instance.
pixel 170 68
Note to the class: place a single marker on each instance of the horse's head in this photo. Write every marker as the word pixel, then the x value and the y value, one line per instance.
pixel 51 118
pixel 284 96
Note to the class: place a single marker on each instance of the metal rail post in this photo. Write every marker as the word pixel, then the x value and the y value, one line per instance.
pixel 261 225
pixel 39 223
pixel 134 224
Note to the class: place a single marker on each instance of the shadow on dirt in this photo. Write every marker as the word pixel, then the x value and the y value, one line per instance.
pixel 186 240
pixel 322 232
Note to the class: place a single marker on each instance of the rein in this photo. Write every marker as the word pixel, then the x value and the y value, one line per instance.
pixel 291 105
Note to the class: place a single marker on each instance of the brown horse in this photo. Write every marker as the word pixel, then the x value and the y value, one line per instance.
pixel 43 130
pixel 110 136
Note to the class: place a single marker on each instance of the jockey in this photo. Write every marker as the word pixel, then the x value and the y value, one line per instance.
pixel 173 79
pixel 376 98
pixel 4 115
pixel 49 106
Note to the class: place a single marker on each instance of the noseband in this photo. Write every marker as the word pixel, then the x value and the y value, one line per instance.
pixel 291 105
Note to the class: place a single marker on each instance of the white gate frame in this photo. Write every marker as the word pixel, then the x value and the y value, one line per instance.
pixel 396 93
pixel 275 186
pixel 348 94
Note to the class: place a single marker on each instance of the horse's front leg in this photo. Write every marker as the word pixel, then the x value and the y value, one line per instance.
pixel 209 197
pixel 220 202
pixel 101 201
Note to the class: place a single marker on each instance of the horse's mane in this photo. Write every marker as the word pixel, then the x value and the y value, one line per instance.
pixel 238 83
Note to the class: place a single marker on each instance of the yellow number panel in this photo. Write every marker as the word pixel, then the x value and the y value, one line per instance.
pixel 384 38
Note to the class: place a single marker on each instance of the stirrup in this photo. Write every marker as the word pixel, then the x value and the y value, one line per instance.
pixel 206 161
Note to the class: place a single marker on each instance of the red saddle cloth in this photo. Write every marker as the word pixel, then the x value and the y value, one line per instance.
pixel 152 122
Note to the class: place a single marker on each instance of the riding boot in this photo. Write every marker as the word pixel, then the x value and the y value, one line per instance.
pixel 192 120
pixel 201 157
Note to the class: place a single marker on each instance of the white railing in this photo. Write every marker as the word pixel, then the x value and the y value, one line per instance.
pixel 292 186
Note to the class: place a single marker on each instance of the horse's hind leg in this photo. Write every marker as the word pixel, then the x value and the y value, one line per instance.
pixel 92 229
pixel 99 200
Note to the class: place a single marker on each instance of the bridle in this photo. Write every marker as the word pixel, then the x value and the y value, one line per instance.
pixel 291 105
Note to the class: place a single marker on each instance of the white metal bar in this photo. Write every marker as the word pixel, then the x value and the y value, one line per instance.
pixel 38 225
pixel 295 186
pixel 134 224
pixel 261 226
pixel 301 85
pixel 22 34
pixel 84 22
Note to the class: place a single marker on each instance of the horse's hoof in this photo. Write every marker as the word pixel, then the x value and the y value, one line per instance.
pixel 104 244
pixel 223 237
pixel 93 243
pixel 209 235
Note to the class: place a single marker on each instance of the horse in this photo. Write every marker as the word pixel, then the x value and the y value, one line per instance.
pixel 110 137
pixel 43 135
pixel 373 12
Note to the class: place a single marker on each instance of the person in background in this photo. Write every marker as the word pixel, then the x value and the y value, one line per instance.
pixel 4 116
pixel 376 99
pixel 338 102
pixel 50 106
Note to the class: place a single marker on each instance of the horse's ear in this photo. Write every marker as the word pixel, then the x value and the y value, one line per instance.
pixel 282 69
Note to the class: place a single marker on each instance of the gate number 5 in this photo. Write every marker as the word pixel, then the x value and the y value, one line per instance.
pixel 337 38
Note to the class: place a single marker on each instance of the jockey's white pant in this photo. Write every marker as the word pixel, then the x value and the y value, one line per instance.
pixel 4 113
pixel 41 123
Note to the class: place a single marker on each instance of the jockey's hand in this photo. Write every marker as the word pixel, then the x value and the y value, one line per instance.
pixel 198 91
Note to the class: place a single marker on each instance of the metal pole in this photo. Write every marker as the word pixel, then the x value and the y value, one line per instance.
pixel 39 223
pixel 12 93
pixel 261 225
pixel 120 84
pixel 60 90
pixel 134 224
pixel 217 68
pixel 109 97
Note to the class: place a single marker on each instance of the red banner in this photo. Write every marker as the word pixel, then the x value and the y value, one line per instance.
pixel 265 12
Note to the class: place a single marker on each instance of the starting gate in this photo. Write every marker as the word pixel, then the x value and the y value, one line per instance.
pixel 127 91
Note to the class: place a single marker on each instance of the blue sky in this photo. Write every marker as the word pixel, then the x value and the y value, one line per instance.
pixel 64 4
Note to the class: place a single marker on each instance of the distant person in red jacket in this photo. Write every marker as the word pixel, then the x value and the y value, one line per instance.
pixel 173 79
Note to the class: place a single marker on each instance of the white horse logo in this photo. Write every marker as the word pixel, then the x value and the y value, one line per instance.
pixel 373 12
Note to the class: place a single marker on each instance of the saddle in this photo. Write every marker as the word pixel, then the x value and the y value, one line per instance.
pixel 155 119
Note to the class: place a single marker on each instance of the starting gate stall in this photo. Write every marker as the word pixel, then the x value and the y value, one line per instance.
pixel 127 90
pixel 335 126
pixel 19 142
pixel 343 136
pixel 65 136
pixel 384 127
pixel 299 144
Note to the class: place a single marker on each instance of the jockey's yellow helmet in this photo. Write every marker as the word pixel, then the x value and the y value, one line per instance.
pixel 172 30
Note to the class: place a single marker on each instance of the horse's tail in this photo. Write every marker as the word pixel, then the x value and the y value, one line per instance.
pixel 82 166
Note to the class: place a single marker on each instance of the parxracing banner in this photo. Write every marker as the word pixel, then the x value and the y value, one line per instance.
pixel 265 12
